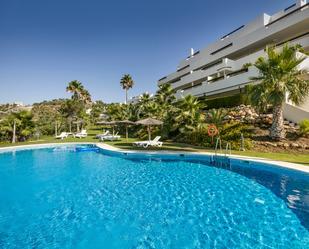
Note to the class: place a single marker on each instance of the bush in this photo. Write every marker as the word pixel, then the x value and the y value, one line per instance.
pixel 231 132
pixel 199 138
pixel 304 127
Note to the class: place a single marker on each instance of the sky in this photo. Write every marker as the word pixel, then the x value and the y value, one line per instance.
pixel 44 44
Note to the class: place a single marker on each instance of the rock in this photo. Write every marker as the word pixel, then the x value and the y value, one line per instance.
pixel 294 145
pixel 285 145
pixel 270 144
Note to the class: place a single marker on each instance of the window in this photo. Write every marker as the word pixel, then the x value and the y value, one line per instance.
pixel 288 14
pixel 232 32
pixel 197 52
pixel 189 87
pixel 290 7
pixel 292 39
pixel 180 69
pixel 209 65
pixel 220 49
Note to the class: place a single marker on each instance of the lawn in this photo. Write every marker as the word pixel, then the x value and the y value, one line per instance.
pixel 300 158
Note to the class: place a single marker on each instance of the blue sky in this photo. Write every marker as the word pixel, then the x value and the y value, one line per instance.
pixel 46 43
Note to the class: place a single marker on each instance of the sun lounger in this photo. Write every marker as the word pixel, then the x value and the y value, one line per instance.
pixel 110 137
pixel 62 136
pixel 102 135
pixel 82 134
pixel 155 142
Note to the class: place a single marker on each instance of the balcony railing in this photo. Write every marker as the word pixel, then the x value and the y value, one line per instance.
pixel 215 79
pixel 288 14
pixel 180 69
pixel 293 39
pixel 220 49
pixel 235 30
pixel 290 7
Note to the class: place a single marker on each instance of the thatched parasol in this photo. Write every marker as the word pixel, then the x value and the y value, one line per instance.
pixel 78 122
pixel 126 123
pixel 110 123
pixel 149 122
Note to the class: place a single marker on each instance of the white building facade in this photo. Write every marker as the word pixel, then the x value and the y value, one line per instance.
pixel 221 69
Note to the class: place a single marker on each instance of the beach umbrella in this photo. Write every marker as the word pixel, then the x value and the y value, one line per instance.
pixel 77 122
pixel 110 123
pixel 149 122
pixel 126 123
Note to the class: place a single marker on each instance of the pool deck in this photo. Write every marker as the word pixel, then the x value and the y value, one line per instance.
pixel 104 146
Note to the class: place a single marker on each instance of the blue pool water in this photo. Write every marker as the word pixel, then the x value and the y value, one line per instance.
pixel 85 198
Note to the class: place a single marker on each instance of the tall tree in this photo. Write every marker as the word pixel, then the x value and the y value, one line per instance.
pixel 126 82
pixel 165 94
pixel 78 91
pixel 17 126
pixel 190 116
pixel 279 78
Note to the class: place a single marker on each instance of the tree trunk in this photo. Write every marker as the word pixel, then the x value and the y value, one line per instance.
pixel 126 101
pixel 14 132
pixel 149 133
pixel 127 134
pixel 277 131
pixel 56 129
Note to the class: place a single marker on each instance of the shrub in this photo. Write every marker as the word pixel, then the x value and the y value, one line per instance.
pixel 231 132
pixel 198 137
pixel 304 127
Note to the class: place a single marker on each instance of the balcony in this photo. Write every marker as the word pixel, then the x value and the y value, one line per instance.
pixel 231 82
pixel 226 64
pixel 176 76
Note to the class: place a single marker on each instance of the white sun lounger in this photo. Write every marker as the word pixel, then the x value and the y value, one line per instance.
pixel 110 137
pixel 102 135
pixel 82 134
pixel 155 142
pixel 62 136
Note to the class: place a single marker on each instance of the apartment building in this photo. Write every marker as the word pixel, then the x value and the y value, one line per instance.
pixel 221 69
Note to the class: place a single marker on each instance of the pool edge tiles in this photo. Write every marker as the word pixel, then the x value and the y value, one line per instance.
pixel 41 146
pixel 165 154
pixel 203 155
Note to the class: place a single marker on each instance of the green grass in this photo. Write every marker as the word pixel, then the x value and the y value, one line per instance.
pixel 300 158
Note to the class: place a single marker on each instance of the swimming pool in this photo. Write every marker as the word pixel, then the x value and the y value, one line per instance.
pixel 84 197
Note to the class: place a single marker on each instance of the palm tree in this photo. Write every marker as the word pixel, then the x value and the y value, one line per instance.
pixel 216 116
pixel 85 96
pixel 279 78
pixel 190 104
pixel 75 87
pixel 126 82
pixel 146 106
pixel 165 94
pixel 190 116
pixel 79 92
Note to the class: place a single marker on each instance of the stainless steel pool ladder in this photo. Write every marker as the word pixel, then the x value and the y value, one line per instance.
pixel 228 149
pixel 221 160
pixel 218 143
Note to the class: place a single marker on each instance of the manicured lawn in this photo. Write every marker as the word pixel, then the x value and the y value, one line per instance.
pixel 300 158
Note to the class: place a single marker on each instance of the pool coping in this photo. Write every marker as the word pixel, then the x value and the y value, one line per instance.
pixel 104 146
pixel 282 164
